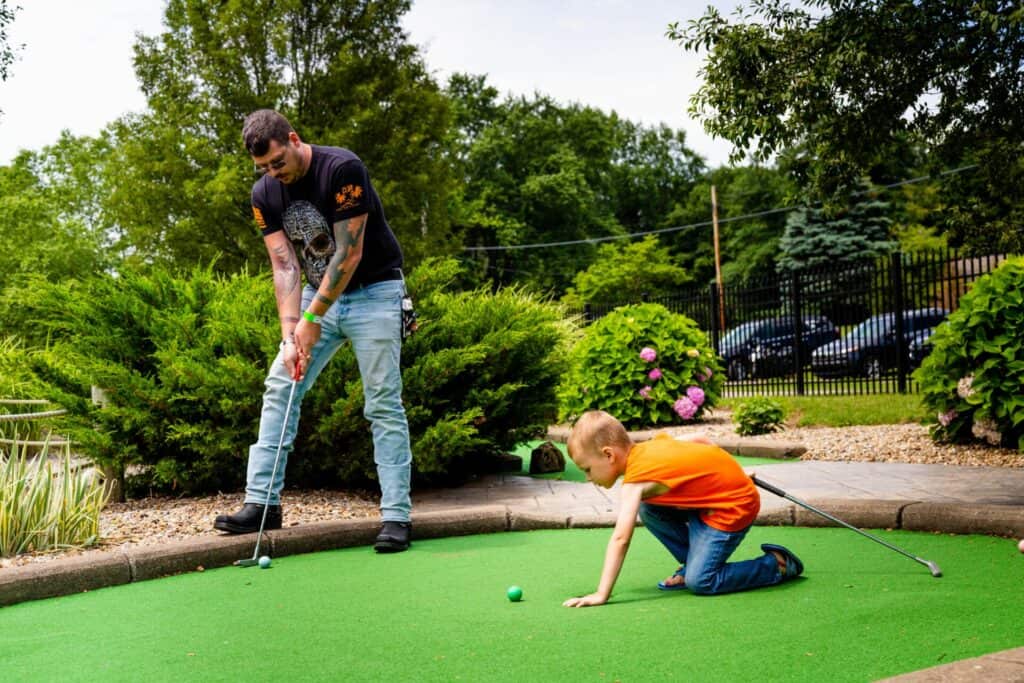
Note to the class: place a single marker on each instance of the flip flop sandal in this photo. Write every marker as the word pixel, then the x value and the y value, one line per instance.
pixel 794 567
pixel 662 586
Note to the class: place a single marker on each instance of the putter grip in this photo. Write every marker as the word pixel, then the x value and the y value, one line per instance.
pixel 768 487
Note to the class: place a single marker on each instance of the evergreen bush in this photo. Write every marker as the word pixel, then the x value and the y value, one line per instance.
pixel 972 379
pixel 181 361
pixel 645 365
pixel 480 376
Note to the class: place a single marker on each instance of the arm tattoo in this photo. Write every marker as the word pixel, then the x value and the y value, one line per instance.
pixel 346 236
pixel 323 299
pixel 286 270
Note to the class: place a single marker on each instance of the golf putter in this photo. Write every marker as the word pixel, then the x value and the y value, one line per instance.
pixel 932 567
pixel 254 560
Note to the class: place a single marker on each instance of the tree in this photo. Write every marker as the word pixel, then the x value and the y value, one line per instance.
pixel 536 171
pixel 7 52
pixel 627 272
pixel 748 246
pixel 816 237
pixel 845 80
pixel 342 72
pixel 45 222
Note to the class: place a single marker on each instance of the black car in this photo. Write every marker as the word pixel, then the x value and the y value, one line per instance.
pixel 871 348
pixel 766 347
pixel 919 346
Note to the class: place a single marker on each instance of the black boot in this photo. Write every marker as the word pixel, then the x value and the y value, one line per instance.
pixel 247 520
pixel 393 537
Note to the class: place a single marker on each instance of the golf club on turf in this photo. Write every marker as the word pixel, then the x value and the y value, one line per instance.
pixel 273 475
pixel 932 567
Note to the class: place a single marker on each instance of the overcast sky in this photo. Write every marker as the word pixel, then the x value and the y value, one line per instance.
pixel 75 70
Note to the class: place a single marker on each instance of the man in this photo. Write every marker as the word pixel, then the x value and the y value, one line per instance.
pixel 320 214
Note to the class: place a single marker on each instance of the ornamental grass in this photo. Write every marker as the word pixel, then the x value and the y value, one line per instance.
pixel 47 502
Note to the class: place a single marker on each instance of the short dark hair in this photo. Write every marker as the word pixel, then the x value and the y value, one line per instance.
pixel 261 127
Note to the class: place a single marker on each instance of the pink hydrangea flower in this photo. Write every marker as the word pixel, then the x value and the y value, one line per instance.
pixel 654 375
pixel 685 408
pixel 703 377
pixel 695 394
pixel 947 417
pixel 648 354
pixel 645 393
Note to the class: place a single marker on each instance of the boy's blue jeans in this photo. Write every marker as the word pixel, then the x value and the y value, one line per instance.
pixel 705 552
pixel 371 318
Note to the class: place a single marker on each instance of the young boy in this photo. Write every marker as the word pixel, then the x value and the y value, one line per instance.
pixel 693 496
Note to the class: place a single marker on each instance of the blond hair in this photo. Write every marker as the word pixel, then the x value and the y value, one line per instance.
pixel 596 429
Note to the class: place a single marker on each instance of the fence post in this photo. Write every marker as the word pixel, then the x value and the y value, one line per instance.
pixel 798 329
pixel 113 475
pixel 899 302
pixel 716 331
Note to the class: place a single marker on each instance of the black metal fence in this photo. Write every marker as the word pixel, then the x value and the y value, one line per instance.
pixel 831 330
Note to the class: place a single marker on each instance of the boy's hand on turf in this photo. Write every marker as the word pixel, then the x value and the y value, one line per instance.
pixel 591 600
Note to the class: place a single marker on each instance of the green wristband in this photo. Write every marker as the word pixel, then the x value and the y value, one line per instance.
pixel 312 317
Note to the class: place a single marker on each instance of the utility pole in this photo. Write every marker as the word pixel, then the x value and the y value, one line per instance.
pixel 718 260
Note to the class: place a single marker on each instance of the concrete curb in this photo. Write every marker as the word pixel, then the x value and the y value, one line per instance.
pixel 117 567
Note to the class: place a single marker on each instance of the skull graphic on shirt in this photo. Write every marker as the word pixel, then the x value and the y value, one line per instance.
pixel 309 232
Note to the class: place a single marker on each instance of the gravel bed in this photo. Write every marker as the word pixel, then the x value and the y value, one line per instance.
pixel 151 521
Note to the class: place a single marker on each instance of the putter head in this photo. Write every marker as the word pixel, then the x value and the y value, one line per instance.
pixel 252 562
pixel 934 568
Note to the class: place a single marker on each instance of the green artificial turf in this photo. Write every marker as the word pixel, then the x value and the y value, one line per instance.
pixel 439 613
pixel 573 473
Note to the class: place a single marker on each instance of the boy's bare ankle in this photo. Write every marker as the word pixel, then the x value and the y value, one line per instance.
pixel 781 560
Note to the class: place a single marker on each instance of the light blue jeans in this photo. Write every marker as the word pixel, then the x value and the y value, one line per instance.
pixel 705 551
pixel 371 318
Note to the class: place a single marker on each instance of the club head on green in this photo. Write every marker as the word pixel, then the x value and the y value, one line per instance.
pixel 247 563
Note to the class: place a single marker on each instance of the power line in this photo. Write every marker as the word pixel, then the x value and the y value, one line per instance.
pixel 660 231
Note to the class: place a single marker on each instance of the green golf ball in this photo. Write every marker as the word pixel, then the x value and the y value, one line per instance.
pixel 514 593
pixel 264 562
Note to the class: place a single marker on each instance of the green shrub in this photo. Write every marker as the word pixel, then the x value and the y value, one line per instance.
pixel 480 376
pixel 44 507
pixel 972 379
pixel 182 360
pixel 758 415
pixel 645 365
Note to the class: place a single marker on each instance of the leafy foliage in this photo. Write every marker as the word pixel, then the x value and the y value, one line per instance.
pixel 342 72
pixel 537 171
pixel 181 362
pixel 972 377
pixel 7 51
pixel 817 237
pixel 627 272
pixel 848 83
pixel 610 370
pixel 758 415
pixel 44 216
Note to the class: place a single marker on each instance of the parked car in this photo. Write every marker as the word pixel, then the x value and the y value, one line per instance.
pixel 766 347
pixel 919 346
pixel 871 348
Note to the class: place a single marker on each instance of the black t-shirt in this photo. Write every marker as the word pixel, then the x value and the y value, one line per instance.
pixel 335 187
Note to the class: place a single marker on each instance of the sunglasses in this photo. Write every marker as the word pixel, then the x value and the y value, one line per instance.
pixel 276 164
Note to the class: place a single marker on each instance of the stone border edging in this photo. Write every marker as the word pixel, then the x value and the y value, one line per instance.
pixel 127 565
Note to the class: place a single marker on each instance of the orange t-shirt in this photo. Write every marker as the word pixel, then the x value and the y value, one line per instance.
pixel 698 476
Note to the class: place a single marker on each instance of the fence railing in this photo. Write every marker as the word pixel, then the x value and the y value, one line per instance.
pixel 854 328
